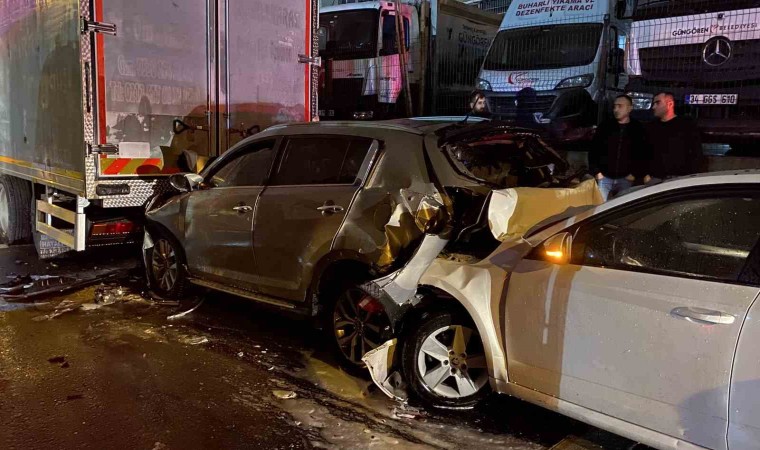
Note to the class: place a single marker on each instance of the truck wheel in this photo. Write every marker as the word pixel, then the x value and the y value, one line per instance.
pixel 15 209
pixel 444 362
pixel 165 268
pixel 359 324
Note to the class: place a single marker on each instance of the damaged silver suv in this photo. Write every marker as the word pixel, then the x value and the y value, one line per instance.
pixel 301 216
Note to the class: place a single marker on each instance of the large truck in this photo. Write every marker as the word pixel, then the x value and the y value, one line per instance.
pixel 362 77
pixel 102 100
pixel 557 64
pixel 706 53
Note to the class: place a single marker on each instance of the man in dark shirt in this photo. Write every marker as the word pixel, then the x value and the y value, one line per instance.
pixel 676 145
pixel 615 158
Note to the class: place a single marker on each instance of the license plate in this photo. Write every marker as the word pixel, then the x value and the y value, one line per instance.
pixel 712 99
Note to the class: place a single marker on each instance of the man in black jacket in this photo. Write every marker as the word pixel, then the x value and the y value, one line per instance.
pixel 676 146
pixel 615 158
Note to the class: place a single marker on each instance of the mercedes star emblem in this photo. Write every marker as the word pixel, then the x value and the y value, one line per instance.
pixel 717 51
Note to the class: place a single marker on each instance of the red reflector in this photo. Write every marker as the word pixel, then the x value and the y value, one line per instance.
pixel 371 304
pixel 121 227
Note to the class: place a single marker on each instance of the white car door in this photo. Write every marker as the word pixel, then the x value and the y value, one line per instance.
pixel 642 324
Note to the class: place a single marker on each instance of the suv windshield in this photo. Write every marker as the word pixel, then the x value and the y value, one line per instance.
pixel 657 9
pixel 348 34
pixel 544 47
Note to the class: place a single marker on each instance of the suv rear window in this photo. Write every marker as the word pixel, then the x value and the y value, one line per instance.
pixel 321 160
pixel 505 161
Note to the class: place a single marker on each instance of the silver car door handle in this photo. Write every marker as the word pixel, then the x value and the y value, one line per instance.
pixel 703 316
pixel 330 209
pixel 242 208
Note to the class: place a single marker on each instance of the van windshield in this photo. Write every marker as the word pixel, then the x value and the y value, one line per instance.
pixel 658 9
pixel 348 34
pixel 544 47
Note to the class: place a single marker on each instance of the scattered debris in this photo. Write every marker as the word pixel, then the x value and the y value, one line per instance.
pixel 184 313
pixel 31 287
pixel 90 306
pixel 241 354
pixel 62 308
pixel 105 295
pixel 404 411
pixel 194 340
pixel 284 395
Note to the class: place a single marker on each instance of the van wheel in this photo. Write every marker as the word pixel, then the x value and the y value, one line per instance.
pixel 167 276
pixel 444 361
pixel 359 324
pixel 15 209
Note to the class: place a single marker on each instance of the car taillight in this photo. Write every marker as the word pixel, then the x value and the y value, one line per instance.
pixel 116 227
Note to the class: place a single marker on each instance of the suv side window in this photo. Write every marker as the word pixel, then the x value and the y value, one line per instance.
pixel 708 237
pixel 321 160
pixel 249 167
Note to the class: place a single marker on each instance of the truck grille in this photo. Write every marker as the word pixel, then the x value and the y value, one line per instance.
pixel 505 107
pixel 684 63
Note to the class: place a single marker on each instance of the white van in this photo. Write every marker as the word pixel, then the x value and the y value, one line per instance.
pixel 557 63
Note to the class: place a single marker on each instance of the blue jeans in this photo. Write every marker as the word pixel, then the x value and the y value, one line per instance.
pixel 610 187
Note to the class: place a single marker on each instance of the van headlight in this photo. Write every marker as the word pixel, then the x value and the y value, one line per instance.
pixel 483 85
pixel 579 81
pixel 641 100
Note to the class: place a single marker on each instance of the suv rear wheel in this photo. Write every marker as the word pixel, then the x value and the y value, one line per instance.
pixel 444 362
pixel 359 324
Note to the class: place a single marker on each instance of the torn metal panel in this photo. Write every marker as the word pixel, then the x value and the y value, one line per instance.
pixel 513 212
pixel 400 286
pixel 382 363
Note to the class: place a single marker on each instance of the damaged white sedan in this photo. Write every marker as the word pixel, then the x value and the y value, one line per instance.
pixel 639 316
pixel 301 216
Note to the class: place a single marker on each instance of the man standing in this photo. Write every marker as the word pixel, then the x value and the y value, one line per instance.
pixel 478 105
pixel 615 158
pixel 676 144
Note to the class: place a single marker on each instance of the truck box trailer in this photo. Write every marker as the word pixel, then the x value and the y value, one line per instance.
pixel 102 100
pixel 362 77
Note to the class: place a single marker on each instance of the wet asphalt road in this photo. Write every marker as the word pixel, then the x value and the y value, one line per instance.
pixel 75 374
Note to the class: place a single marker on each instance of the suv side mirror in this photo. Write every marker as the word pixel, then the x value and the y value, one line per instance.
pixel 185 182
pixel 557 248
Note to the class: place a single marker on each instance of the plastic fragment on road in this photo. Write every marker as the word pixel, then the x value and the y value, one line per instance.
pixel 284 395
pixel 184 313
pixel 194 340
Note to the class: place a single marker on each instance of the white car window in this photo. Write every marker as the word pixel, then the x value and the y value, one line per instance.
pixel 704 237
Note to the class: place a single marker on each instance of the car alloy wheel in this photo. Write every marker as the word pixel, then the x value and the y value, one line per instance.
pixel 164 265
pixel 359 324
pixel 451 362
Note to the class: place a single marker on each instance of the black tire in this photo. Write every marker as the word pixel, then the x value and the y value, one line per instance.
pixel 15 209
pixel 164 259
pixel 357 324
pixel 435 380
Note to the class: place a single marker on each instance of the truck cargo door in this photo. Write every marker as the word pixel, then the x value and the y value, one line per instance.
pixel 152 84
pixel 266 84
